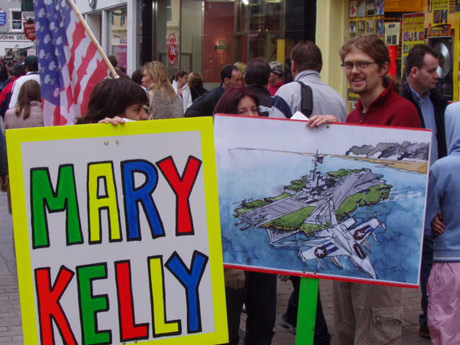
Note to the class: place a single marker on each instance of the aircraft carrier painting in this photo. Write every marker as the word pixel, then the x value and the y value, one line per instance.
pixel 341 201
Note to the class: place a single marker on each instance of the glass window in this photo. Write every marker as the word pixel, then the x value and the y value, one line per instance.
pixel 168 10
pixel 203 36
pixel 16 20
pixel 118 34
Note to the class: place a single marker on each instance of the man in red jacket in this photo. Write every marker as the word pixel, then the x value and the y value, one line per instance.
pixel 366 63
pixel 365 313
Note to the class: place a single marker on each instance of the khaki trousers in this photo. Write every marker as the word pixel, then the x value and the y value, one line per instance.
pixel 367 314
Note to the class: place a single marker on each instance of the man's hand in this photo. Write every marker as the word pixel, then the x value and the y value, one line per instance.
pixel 438 225
pixel 234 279
pixel 320 120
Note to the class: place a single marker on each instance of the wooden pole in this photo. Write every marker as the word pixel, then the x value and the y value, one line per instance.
pixel 306 312
pixel 90 33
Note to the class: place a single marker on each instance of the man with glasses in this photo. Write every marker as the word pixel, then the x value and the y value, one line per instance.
pixel 371 314
pixel 421 72
pixel 366 62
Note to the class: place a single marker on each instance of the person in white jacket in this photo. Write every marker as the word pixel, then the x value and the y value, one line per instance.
pixel 180 85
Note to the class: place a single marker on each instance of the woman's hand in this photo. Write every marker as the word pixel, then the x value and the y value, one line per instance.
pixel 320 120
pixel 438 225
pixel 234 279
pixel 113 120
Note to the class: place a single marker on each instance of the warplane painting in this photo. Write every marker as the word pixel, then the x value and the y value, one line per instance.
pixel 341 202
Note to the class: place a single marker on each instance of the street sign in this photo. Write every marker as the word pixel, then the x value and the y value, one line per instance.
pixel 2 18
pixel 29 30
pixel 172 49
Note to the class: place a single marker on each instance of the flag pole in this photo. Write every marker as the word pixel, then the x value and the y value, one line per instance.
pixel 93 38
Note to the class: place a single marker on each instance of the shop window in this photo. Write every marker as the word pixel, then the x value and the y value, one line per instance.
pixel 16 20
pixel 118 41
pixel 168 10
pixel 403 24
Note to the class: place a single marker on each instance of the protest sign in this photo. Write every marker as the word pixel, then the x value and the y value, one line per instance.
pixel 341 201
pixel 117 233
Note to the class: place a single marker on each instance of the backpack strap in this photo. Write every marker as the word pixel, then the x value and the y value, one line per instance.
pixel 306 102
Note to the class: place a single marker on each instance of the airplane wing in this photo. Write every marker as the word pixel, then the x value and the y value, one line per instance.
pixel 320 251
pixel 361 232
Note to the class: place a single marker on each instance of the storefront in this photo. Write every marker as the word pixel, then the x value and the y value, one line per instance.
pixel 13 45
pixel 403 24
pixel 201 36
pixel 194 35
pixel 13 41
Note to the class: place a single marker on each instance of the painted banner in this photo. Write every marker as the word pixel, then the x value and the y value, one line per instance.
pixel 117 233
pixel 341 201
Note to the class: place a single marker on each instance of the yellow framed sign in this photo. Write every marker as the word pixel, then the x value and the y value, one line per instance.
pixel 117 233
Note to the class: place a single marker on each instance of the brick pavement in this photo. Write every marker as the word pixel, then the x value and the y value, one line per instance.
pixel 10 320
pixel 10 311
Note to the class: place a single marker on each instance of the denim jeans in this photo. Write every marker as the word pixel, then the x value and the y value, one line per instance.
pixel 427 264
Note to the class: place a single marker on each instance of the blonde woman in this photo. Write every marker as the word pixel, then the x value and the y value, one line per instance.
pixel 164 102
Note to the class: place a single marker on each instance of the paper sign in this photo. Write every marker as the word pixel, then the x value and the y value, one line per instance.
pixel 117 233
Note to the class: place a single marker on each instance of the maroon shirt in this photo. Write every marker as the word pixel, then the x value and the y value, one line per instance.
pixel 388 109
pixel 272 88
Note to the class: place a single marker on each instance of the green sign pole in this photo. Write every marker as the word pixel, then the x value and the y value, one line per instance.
pixel 306 313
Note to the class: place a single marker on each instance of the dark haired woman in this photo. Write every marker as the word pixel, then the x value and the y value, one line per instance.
pixel 180 85
pixel 116 98
pixel 28 112
pixel 256 290
pixel 239 101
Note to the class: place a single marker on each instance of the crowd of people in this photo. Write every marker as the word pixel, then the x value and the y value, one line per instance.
pixel 364 314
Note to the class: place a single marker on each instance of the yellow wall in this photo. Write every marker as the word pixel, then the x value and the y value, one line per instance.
pixel 331 33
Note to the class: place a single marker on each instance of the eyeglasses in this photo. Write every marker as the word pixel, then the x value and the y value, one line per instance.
pixel 360 65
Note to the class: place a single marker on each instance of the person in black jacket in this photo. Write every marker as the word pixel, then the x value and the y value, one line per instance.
pixel 4 180
pixel 204 106
pixel 195 82
pixel 256 77
pixel 420 88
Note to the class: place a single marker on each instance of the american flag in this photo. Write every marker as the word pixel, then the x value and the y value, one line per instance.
pixel 70 64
